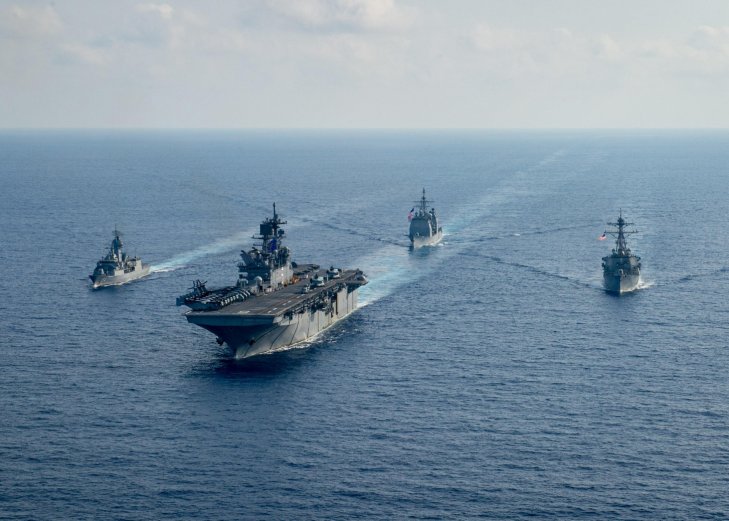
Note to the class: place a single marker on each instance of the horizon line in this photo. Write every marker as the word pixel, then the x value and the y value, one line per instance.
pixel 403 129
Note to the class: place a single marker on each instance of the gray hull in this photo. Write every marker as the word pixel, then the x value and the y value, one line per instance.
pixel 620 283
pixel 101 281
pixel 419 241
pixel 249 336
pixel 621 273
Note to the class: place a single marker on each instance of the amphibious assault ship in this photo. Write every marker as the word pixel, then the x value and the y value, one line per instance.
pixel 424 229
pixel 621 269
pixel 116 267
pixel 275 302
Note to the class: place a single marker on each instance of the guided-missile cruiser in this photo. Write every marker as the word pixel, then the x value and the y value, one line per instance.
pixel 275 302
pixel 621 269
pixel 116 267
pixel 424 229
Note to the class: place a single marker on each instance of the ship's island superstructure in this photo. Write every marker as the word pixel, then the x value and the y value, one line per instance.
pixel 116 267
pixel 621 269
pixel 275 302
pixel 424 228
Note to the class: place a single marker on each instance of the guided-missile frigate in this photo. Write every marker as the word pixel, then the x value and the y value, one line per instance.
pixel 275 302
pixel 116 267
pixel 621 269
pixel 424 229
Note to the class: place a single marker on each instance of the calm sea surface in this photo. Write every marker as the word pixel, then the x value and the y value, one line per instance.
pixel 489 377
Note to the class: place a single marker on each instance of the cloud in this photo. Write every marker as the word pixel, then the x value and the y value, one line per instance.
pixel 705 52
pixel 350 62
pixel 181 30
pixel 488 39
pixel 29 22
pixel 341 15
pixel 84 54
pixel 554 45
pixel 708 49
pixel 163 10
pixel 602 62
pixel 608 49
pixel 710 38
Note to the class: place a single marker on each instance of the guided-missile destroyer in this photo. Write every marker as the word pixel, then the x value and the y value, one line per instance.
pixel 621 269
pixel 275 302
pixel 424 229
pixel 116 267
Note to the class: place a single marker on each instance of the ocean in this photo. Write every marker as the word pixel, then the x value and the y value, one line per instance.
pixel 489 377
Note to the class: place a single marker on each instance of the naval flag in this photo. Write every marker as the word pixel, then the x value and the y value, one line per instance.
pixel 410 215
pixel 602 237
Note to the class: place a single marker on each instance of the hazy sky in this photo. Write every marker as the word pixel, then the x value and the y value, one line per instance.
pixel 364 63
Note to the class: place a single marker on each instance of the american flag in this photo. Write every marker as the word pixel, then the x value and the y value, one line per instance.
pixel 602 237
pixel 410 215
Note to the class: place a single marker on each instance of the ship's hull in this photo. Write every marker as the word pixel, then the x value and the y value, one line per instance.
pixel 419 241
pixel 249 336
pixel 621 273
pixel 620 283
pixel 101 281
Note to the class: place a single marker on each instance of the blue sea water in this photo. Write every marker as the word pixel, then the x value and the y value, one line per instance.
pixel 489 377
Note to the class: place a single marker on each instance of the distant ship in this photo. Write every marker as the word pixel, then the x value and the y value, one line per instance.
pixel 621 269
pixel 116 267
pixel 424 229
pixel 275 302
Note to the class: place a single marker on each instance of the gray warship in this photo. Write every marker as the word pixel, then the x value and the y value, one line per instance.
pixel 424 229
pixel 116 267
pixel 621 269
pixel 275 302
